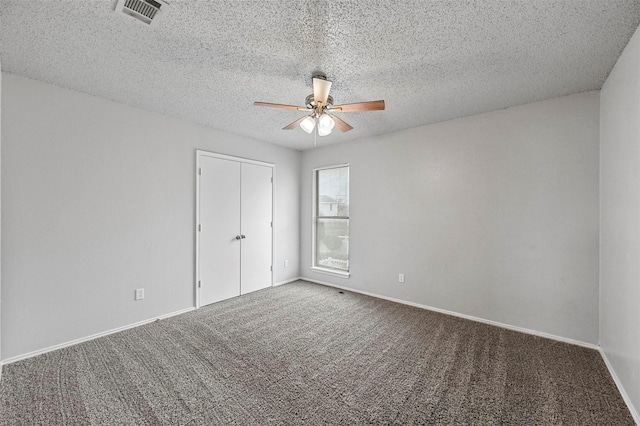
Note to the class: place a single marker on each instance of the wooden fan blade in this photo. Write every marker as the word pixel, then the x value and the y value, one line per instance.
pixel 341 125
pixel 268 104
pixel 361 106
pixel 321 90
pixel 294 124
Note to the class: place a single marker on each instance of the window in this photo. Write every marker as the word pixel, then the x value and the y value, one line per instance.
pixel 331 220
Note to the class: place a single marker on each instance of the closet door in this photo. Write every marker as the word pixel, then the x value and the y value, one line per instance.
pixel 256 225
pixel 219 250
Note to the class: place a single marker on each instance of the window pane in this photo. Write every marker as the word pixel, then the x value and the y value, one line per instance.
pixel 333 192
pixel 332 243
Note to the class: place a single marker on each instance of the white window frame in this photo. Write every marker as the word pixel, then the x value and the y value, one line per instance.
pixel 314 216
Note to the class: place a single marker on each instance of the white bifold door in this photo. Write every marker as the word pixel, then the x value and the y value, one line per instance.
pixel 235 227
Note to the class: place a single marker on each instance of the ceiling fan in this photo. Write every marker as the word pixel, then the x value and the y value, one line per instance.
pixel 321 108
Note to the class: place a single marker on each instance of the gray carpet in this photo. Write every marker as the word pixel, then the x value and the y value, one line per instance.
pixel 308 354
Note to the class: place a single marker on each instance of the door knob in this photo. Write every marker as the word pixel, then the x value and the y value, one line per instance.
pixel 243 236
pixel 238 237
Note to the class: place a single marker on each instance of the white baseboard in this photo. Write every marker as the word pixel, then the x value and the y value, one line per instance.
pixel 93 336
pixel 625 397
pixel 287 281
pixel 106 333
pixel 459 315
pixel 621 389
pixel 627 400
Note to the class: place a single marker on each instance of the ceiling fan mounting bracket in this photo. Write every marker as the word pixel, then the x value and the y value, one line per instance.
pixel 320 75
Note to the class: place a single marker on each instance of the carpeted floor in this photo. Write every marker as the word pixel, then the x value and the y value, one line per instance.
pixel 308 354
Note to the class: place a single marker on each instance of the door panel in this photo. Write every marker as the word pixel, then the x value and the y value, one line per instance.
pixel 219 260
pixel 256 201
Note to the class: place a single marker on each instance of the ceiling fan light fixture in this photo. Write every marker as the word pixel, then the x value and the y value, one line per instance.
pixel 308 124
pixel 325 124
pixel 323 132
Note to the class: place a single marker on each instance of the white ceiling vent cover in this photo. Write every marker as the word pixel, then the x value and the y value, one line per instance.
pixel 147 11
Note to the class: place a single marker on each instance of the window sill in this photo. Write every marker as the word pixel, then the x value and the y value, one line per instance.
pixel 334 272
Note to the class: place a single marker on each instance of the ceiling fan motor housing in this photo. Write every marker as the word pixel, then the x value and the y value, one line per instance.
pixel 311 103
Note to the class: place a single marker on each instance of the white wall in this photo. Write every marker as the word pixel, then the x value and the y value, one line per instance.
pixel 620 220
pixel 493 216
pixel 98 199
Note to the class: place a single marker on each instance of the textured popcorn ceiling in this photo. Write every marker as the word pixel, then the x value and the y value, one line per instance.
pixel 207 61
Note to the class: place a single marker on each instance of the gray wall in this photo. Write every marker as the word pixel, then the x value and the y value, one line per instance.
pixel 620 220
pixel 98 199
pixel 493 216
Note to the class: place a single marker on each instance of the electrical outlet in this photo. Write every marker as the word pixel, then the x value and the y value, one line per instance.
pixel 400 278
pixel 286 263
pixel 139 293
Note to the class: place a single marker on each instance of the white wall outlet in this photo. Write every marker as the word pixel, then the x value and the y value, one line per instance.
pixel 139 293
pixel 286 263
pixel 400 278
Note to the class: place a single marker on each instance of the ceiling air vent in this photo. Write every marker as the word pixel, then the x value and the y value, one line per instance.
pixel 147 11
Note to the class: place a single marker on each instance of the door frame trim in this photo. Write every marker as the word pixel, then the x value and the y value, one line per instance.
pixel 199 154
